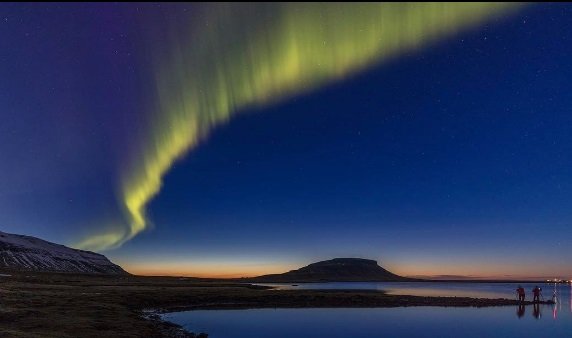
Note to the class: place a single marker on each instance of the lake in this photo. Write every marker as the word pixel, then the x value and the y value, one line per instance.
pixel 509 321
pixel 444 289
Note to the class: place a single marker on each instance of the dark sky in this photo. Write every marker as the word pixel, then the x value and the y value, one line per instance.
pixel 453 158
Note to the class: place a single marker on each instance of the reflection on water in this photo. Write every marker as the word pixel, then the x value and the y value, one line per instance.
pixel 521 310
pixel 439 289
pixel 536 312
pixel 562 297
pixel 539 320
pixel 396 322
pixel 375 322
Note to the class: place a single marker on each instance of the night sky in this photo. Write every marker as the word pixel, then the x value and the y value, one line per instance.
pixel 224 140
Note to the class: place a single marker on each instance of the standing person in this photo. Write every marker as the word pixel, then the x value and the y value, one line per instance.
pixel 521 293
pixel 536 292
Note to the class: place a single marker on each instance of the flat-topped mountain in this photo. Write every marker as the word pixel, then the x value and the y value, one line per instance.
pixel 335 270
pixel 26 253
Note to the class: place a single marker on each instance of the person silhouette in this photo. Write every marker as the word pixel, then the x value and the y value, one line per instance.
pixel 521 293
pixel 536 311
pixel 536 294
pixel 520 311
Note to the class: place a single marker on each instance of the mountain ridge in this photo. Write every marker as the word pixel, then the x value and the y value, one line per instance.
pixel 335 270
pixel 28 253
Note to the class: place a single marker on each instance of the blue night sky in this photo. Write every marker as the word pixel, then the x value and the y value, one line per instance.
pixel 448 159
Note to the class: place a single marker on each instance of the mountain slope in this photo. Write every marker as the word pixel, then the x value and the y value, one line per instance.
pixel 335 270
pixel 18 252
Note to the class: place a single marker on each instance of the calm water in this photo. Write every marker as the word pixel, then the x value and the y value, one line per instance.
pixel 477 290
pixel 510 321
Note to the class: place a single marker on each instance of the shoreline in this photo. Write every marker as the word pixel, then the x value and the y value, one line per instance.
pixel 392 301
pixel 456 302
pixel 63 305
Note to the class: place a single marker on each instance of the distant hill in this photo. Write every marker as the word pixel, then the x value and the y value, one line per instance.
pixel 334 270
pixel 26 253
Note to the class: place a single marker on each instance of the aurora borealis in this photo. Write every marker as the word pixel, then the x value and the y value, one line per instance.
pixel 149 84
pixel 242 55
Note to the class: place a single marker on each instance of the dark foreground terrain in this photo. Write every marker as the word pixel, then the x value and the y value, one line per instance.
pixel 64 305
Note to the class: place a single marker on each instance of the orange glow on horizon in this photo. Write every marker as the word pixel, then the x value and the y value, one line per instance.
pixel 246 269
pixel 493 271
pixel 207 270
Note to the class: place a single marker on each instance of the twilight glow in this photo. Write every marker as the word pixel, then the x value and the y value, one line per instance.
pixel 205 139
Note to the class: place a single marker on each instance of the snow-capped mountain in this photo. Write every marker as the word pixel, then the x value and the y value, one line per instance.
pixel 18 252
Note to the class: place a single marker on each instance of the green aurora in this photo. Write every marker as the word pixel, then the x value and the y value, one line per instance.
pixel 237 56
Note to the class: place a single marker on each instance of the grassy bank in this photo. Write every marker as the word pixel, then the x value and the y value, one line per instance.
pixel 63 305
